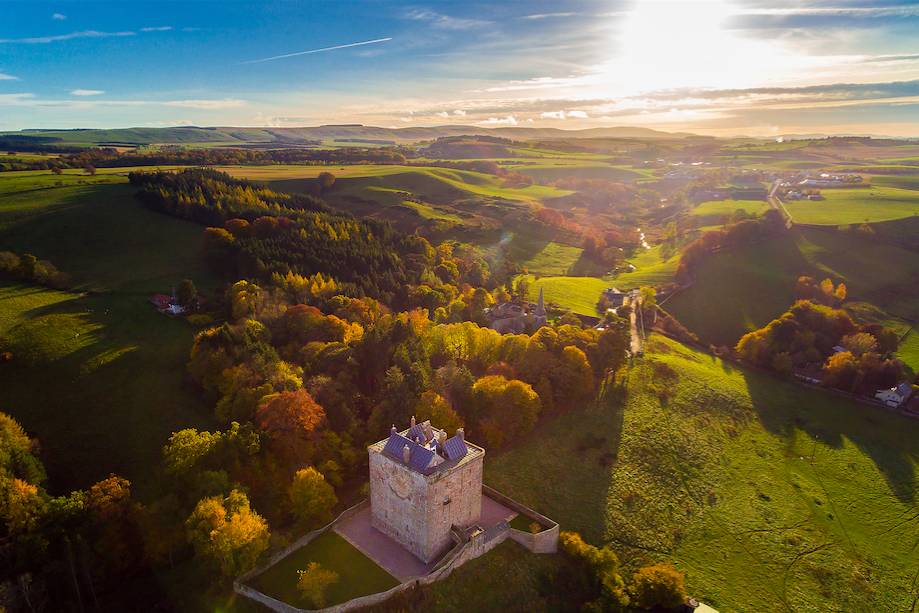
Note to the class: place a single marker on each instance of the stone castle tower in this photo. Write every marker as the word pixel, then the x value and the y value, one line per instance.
pixel 422 484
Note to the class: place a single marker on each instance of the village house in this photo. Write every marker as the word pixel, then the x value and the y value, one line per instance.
pixel 895 397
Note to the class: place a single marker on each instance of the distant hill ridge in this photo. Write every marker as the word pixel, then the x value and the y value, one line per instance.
pixel 292 136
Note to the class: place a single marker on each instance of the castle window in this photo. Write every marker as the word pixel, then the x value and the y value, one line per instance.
pixel 446 501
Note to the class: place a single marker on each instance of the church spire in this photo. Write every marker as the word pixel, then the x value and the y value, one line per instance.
pixel 540 305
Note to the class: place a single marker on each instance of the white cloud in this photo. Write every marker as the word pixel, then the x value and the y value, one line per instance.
pixel 510 120
pixel 442 114
pixel 444 22
pixel 548 15
pixel 7 77
pixel 837 11
pixel 563 115
pixel 70 36
pixel 58 17
pixel 459 113
pixel 226 103
pixel 86 92
pixel 156 29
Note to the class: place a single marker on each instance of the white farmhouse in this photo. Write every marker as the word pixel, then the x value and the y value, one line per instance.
pixel 895 396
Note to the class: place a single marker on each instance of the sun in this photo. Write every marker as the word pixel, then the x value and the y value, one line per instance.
pixel 667 44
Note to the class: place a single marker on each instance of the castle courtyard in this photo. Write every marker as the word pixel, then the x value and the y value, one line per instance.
pixel 392 556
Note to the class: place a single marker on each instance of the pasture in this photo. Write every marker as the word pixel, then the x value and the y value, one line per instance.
pixel 579 294
pixel 431 183
pixel 763 492
pixel 98 377
pixel 743 289
pixel 719 211
pixel 855 206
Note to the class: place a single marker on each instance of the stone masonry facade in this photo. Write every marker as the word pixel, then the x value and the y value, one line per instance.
pixel 417 506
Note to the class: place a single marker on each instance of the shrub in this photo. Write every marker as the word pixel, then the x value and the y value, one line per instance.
pixel 657 586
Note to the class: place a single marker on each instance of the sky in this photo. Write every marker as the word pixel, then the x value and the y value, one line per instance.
pixel 719 67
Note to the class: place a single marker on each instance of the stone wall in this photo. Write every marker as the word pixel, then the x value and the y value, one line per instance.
pixel 479 544
pixel 545 541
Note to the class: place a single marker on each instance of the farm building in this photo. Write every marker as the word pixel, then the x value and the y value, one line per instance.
pixel 895 396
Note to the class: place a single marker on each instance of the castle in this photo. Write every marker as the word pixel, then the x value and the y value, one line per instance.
pixel 423 485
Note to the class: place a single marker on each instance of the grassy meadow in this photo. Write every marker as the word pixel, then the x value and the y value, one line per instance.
pixel 756 283
pixel 579 294
pixel 766 494
pixel 717 211
pixel 97 374
pixel 856 205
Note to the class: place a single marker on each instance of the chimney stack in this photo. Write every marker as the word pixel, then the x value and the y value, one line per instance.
pixel 461 434
pixel 441 438
pixel 393 429
pixel 406 454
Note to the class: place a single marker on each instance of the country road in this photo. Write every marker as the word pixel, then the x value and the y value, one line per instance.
pixel 776 203
pixel 637 326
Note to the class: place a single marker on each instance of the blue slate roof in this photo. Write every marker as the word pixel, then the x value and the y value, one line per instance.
pixel 395 444
pixel 419 457
pixel 455 448
pixel 416 432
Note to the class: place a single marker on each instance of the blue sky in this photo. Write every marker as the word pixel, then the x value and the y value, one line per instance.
pixel 708 66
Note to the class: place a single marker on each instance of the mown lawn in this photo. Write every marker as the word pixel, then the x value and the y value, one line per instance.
pixel 766 494
pixel 855 206
pixel 358 575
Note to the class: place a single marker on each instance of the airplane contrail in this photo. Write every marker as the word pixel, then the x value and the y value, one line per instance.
pixel 358 44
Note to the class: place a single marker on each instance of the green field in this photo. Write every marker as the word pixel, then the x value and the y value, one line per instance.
pixel 718 211
pixel 652 267
pixel 768 495
pixel 98 377
pixel 857 205
pixel 898 181
pixel 578 294
pixel 743 289
pixel 358 575
pixel 435 184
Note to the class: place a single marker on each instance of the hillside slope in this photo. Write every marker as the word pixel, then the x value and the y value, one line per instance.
pixel 769 496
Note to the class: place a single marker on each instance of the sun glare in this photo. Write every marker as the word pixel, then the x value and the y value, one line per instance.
pixel 666 44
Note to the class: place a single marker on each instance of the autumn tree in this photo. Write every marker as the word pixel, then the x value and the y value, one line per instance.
pixel 311 497
pixel 227 533
pixel 859 343
pixel 432 406
pixel 841 371
pixel 325 180
pixel 291 420
pixel 597 576
pixel 115 524
pixel 313 583
pixel 508 408
pixel 660 586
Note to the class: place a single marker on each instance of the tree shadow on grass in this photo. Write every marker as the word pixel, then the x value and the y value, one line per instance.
pixel 784 407
pixel 108 402
pixel 563 469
